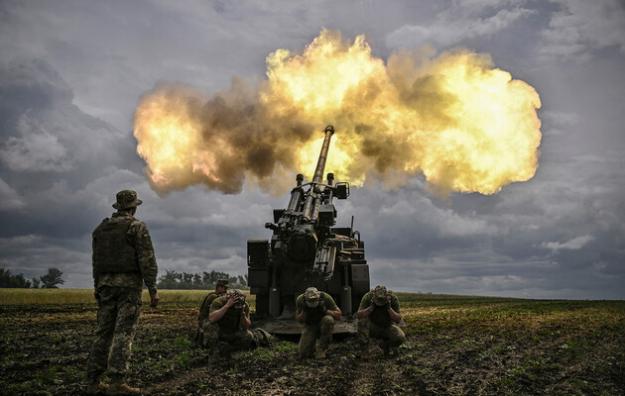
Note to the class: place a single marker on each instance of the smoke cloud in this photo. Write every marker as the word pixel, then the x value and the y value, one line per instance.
pixel 462 123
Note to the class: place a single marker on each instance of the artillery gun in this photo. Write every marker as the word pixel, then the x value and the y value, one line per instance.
pixel 307 250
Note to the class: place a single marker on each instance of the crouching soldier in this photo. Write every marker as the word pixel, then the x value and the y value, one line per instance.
pixel 378 316
pixel 206 334
pixel 231 314
pixel 317 311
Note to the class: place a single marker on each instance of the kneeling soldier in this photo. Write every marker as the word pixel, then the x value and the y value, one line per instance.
pixel 317 311
pixel 206 334
pixel 379 311
pixel 231 314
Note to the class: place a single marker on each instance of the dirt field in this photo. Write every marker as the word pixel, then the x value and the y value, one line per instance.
pixel 456 346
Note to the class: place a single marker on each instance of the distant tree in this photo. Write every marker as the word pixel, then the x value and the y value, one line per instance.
pixel 169 280
pixel 187 281
pixel 206 279
pixel 9 280
pixel 198 281
pixel 52 279
pixel 36 283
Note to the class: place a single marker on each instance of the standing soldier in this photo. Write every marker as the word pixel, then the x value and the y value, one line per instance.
pixel 317 311
pixel 378 316
pixel 123 259
pixel 207 331
pixel 231 314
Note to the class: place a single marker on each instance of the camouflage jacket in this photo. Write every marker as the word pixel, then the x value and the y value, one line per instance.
pixel 206 306
pixel 230 323
pixel 139 238
pixel 314 315
pixel 379 316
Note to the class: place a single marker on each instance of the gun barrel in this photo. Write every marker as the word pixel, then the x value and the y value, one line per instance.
pixel 309 204
pixel 323 156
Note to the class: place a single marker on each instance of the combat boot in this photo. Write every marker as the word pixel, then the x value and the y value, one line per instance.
pixel 122 388
pixel 264 338
pixel 97 388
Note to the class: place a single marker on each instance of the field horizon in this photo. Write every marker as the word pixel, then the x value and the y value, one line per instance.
pixel 81 295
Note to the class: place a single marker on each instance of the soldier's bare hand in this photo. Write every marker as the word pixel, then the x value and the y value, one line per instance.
pixel 231 301
pixel 154 299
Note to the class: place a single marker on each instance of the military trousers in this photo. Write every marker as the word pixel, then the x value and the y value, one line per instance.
pixel 391 336
pixel 208 333
pixel 321 331
pixel 118 313
pixel 240 341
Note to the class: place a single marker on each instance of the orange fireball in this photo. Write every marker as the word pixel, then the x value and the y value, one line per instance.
pixel 463 124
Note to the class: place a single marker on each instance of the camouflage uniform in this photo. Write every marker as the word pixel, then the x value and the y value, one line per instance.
pixel 207 332
pixel 379 324
pixel 118 292
pixel 231 334
pixel 317 324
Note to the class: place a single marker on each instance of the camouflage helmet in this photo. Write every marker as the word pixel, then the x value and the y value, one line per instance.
pixel 312 297
pixel 239 297
pixel 380 295
pixel 127 199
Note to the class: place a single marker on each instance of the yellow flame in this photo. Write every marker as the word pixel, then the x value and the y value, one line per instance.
pixel 465 125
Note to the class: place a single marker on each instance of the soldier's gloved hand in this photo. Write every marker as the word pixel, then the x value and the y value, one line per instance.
pixel 154 299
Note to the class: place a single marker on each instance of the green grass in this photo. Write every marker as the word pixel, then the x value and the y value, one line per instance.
pixel 85 296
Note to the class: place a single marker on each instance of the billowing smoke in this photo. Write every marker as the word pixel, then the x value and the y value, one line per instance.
pixel 463 124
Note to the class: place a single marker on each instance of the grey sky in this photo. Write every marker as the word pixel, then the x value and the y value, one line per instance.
pixel 71 74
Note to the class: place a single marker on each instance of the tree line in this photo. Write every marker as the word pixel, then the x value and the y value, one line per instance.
pixel 51 280
pixel 170 280
pixel 199 281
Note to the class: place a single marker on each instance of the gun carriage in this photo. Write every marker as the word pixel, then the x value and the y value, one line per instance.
pixel 307 250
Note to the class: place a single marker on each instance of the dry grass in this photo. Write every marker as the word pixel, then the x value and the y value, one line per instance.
pixel 84 296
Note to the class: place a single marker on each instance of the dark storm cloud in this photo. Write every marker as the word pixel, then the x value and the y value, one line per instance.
pixel 553 236
pixel 54 159
pixel 56 192
pixel 71 74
